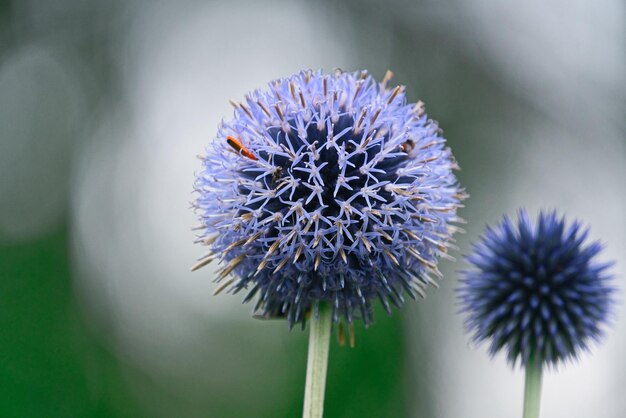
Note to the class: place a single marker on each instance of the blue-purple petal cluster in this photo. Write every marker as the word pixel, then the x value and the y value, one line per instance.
pixel 537 290
pixel 327 188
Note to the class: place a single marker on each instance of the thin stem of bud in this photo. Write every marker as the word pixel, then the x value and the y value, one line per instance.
pixel 532 390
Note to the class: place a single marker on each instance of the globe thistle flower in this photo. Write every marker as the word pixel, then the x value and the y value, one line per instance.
pixel 537 291
pixel 327 188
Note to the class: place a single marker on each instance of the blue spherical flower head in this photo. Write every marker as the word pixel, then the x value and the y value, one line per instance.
pixel 538 291
pixel 327 188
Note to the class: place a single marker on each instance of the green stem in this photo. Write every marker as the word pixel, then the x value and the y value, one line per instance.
pixel 317 362
pixel 532 390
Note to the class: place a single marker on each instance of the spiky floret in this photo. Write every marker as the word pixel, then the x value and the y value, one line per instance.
pixel 536 291
pixel 330 188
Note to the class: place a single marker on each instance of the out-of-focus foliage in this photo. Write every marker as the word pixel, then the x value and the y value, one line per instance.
pixel 50 363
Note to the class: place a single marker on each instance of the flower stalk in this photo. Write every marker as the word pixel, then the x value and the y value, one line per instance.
pixel 317 362
pixel 532 390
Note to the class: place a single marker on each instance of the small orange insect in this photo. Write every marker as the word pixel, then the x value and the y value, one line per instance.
pixel 239 147
pixel 407 146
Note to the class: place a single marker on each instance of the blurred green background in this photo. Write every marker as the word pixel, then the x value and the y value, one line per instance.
pixel 103 107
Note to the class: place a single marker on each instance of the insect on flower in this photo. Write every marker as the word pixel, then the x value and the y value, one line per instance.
pixel 239 147
pixel 351 201
pixel 407 146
